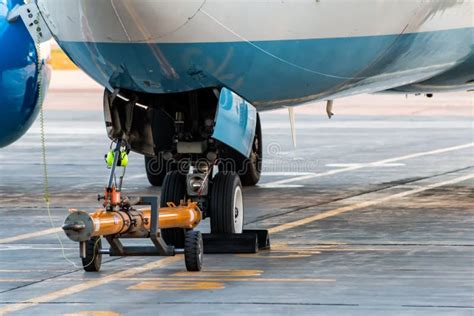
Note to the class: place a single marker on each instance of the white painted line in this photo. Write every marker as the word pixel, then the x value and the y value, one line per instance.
pixel 363 165
pixel 87 184
pixel 137 176
pixel 284 186
pixel 371 164
pixel 286 174
pixel 31 247
pixel 30 235
pixel 63 131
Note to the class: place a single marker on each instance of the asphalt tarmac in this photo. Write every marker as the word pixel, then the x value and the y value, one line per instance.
pixel 369 215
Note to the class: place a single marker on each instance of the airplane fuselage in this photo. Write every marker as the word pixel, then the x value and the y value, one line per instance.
pixel 273 53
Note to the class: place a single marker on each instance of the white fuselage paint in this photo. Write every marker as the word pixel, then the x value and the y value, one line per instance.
pixel 191 21
pixel 273 53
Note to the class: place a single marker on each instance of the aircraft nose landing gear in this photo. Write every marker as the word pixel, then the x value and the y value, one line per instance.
pixel 190 132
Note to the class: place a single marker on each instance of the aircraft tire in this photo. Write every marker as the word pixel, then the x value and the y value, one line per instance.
pixel 226 204
pixel 155 170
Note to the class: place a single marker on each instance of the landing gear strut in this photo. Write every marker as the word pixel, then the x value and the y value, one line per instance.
pixel 215 148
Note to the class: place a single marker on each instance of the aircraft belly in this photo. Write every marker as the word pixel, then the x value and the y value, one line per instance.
pixel 317 52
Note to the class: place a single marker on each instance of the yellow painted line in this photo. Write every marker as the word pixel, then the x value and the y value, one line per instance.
pixel 181 285
pixel 94 313
pixel 30 235
pixel 356 206
pixel 296 254
pixel 271 255
pixel 282 251
pixel 291 247
pixel 197 284
pixel 198 279
pixel 164 262
pixel 220 273
pixel 349 247
pixel 88 285
pixel 262 280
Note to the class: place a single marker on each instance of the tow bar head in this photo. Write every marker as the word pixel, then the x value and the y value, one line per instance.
pixel 78 226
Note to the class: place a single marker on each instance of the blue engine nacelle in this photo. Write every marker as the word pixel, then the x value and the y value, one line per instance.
pixel 20 79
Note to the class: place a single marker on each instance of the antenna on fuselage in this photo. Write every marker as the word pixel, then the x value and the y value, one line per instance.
pixel 291 113
pixel 329 106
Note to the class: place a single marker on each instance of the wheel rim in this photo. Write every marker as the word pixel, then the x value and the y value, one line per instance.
pixel 238 211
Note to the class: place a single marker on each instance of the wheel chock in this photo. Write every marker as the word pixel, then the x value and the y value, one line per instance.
pixel 250 241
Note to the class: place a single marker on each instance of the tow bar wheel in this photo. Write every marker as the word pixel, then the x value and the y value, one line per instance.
pixel 227 206
pixel 93 260
pixel 193 251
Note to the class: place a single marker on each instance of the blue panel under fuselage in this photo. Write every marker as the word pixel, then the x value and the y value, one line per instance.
pixel 235 123
pixel 281 72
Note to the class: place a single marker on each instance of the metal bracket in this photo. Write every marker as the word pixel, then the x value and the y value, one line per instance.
pixel 33 20
pixel 116 247
pixel 155 235
pixel 82 249
pixel 160 247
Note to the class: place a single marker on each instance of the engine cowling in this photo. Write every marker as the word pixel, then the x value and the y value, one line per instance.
pixel 22 80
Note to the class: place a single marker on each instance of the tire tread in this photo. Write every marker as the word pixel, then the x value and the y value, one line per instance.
pixel 222 199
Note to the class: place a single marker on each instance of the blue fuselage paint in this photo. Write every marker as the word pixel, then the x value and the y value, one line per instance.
pixel 18 77
pixel 277 73
pixel 235 122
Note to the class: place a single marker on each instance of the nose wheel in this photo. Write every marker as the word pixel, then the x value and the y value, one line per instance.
pixel 226 204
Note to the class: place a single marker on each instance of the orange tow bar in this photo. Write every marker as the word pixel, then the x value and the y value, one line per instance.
pixel 120 218
pixel 82 226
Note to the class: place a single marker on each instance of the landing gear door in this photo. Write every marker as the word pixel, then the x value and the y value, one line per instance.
pixel 235 123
